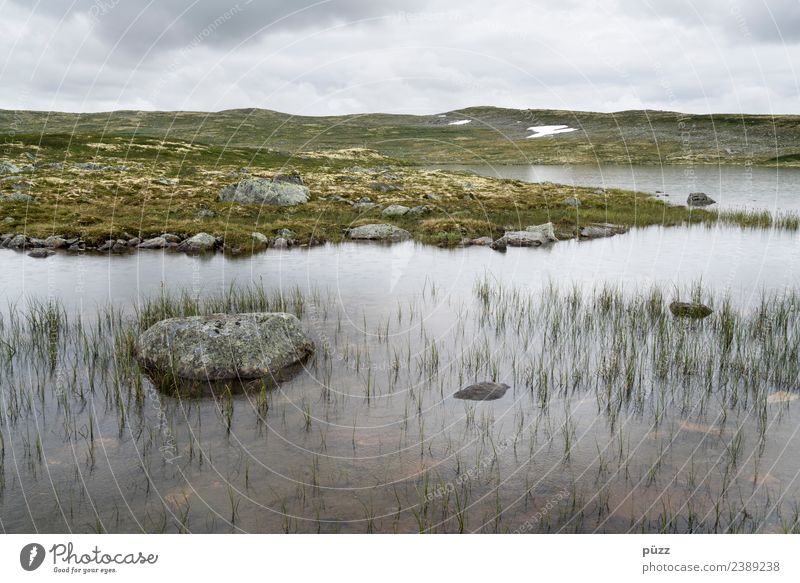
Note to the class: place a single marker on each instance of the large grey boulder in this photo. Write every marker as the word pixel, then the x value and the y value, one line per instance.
pixel 486 391
pixel 199 243
pixel 379 232
pixel 699 199
pixel 395 210
pixel 571 201
pixel 264 191
pixel 224 346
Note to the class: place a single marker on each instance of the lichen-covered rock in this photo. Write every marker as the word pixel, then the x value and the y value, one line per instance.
pixel 571 201
pixel 199 243
pixel 379 232
pixel 224 346
pixel 264 191
pixel 486 391
pixel 395 210
pixel 694 310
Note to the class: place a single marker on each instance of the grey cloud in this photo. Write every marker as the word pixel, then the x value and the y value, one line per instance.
pixel 137 27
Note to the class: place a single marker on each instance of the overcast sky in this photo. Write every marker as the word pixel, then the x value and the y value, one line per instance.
pixel 415 56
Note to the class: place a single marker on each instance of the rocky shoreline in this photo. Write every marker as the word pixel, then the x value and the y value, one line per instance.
pixel 202 243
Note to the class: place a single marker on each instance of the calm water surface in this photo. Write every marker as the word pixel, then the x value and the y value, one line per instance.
pixel 731 186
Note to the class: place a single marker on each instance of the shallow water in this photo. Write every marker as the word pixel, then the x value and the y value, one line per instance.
pixel 733 187
pixel 369 437
pixel 740 262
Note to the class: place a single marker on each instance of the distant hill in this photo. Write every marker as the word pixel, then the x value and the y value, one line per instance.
pixel 487 134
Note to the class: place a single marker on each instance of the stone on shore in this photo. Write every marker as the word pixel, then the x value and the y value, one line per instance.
pixel 379 232
pixel 395 210
pixel 199 243
pixel 545 231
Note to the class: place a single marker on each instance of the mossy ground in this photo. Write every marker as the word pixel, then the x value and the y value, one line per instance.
pixel 101 205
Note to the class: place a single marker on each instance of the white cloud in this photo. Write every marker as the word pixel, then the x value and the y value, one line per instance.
pixel 350 56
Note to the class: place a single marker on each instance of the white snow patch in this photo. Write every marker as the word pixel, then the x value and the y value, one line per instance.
pixel 541 131
pixel 460 122
pixel 443 115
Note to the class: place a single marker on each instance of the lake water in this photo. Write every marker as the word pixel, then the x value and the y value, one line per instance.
pixel 733 187
pixel 619 417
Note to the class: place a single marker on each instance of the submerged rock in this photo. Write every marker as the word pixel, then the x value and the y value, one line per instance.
pixel 694 310
pixel 264 191
pixel 395 210
pixel 379 232
pixel 699 199
pixel 41 253
pixel 486 391
pixel 224 346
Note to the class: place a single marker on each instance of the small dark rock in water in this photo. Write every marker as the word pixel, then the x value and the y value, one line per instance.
pixel 41 253
pixel 482 392
pixel 699 199
pixel 690 310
